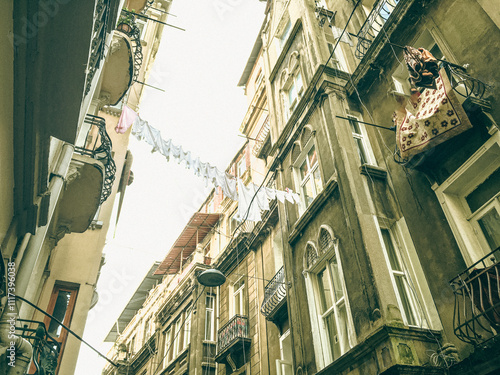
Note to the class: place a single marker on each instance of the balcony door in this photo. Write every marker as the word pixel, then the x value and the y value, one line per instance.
pixel 61 306
pixel 284 365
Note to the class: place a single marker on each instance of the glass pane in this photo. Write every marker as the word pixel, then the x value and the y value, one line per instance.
pixel 298 81
pixel 240 283
pixel 286 369
pixel 337 286
pixel 312 156
pixel 210 303
pixel 308 192
pixel 331 328
pixel 484 192
pixel 304 170
pixel 286 349
pixel 391 252
pixel 208 325
pixel 355 126
pixel 361 150
pixel 343 331
pixel 405 300
pixel 325 292
pixel 317 180
pixel 60 309
pixel 292 94
pixel 490 226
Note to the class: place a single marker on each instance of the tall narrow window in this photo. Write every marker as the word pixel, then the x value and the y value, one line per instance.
pixel 284 36
pixel 238 297
pixel 61 306
pixel 333 308
pixel 310 178
pixel 168 346
pixel 360 139
pixel 187 329
pixel 177 339
pixel 210 318
pixel 402 281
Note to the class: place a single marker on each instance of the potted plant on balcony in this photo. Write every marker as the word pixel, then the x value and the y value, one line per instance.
pixel 126 21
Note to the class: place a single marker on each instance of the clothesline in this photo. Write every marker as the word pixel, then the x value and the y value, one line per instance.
pixel 231 187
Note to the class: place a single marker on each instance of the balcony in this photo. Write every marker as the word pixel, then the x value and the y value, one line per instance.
pixel 274 296
pixel 373 25
pixel 89 180
pixel 233 340
pixel 45 348
pixel 139 6
pixel 123 63
pixel 477 300
pixel 99 34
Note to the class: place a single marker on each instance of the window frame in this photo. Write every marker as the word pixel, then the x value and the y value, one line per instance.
pixel 241 292
pixel 212 320
pixel 321 340
pixel 451 195
pixel 362 136
pixel 299 181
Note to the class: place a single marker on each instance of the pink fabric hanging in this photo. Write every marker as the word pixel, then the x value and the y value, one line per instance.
pixel 127 118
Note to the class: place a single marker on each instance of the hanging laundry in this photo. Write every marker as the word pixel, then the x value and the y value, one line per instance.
pixel 422 66
pixel 127 118
pixel 244 195
pixel 248 208
pixel 430 119
pixel 346 38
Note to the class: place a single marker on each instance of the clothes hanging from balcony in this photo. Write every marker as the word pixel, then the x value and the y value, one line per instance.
pixel 422 66
pixel 126 120
pixel 228 184
pixel 429 118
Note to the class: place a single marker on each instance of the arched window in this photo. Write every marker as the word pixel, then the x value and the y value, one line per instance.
pixel 325 239
pixel 294 155
pixel 306 135
pixel 311 256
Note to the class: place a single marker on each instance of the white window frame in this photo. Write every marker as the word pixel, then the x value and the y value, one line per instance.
pixel 282 364
pixel 187 328
pixel 210 311
pixel 168 342
pixel 177 348
pixel 452 192
pixel 240 292
pixel 299 181
pixel 363 138
pixel 418 291
pixel 321 341
pixel 294 86
pixel 283 36
pixel 241 165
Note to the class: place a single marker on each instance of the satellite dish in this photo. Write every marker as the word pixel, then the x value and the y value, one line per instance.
pixel 211 277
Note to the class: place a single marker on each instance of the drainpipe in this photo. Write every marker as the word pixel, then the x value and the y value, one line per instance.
pixel 22 350
pixel 31 266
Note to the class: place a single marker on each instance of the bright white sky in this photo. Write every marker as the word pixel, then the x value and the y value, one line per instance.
pixel 202 110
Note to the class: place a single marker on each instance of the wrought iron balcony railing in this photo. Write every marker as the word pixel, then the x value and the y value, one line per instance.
pixel 464 84
pixel 101 19
pixel 373 25
pixel 134 33
pixel 45 348
pixel 274 293
pixel 477 300
pixel 234 330
pixel 98 146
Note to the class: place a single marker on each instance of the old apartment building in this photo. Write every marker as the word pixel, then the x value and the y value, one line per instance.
pixel 68 68
pixel 389 262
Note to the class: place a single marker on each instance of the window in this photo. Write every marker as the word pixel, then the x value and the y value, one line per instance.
pixel 238 297
pixel 361 141
pixel 142 26
pixel 284 36
pixel 131 347
pixel 470 199
pixel 293 92
pixel 284 365
pixel 338 60
pixel 177 348
pixel 331 321
pixel 168 346
pixel 210 318
pixel 147 330
pixel 242 166
pixel 402 283
pixel 61 306
pixel 187 329
pixel 309 177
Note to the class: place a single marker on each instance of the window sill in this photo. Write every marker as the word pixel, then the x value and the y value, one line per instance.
pixel 311 211
pixel 373 171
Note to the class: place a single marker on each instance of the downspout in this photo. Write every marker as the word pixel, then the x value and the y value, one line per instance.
pixel 20 347
pixel 28 269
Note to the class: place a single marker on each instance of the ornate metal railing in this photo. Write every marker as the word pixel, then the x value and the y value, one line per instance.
pixel 45 348
pixel 98 146
pixel 237 328
pixel 149 4
pixel 274 293
pixel 135 35
pixel 464 84
pixel 477 300
pixel 101 19
pixel 373 25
